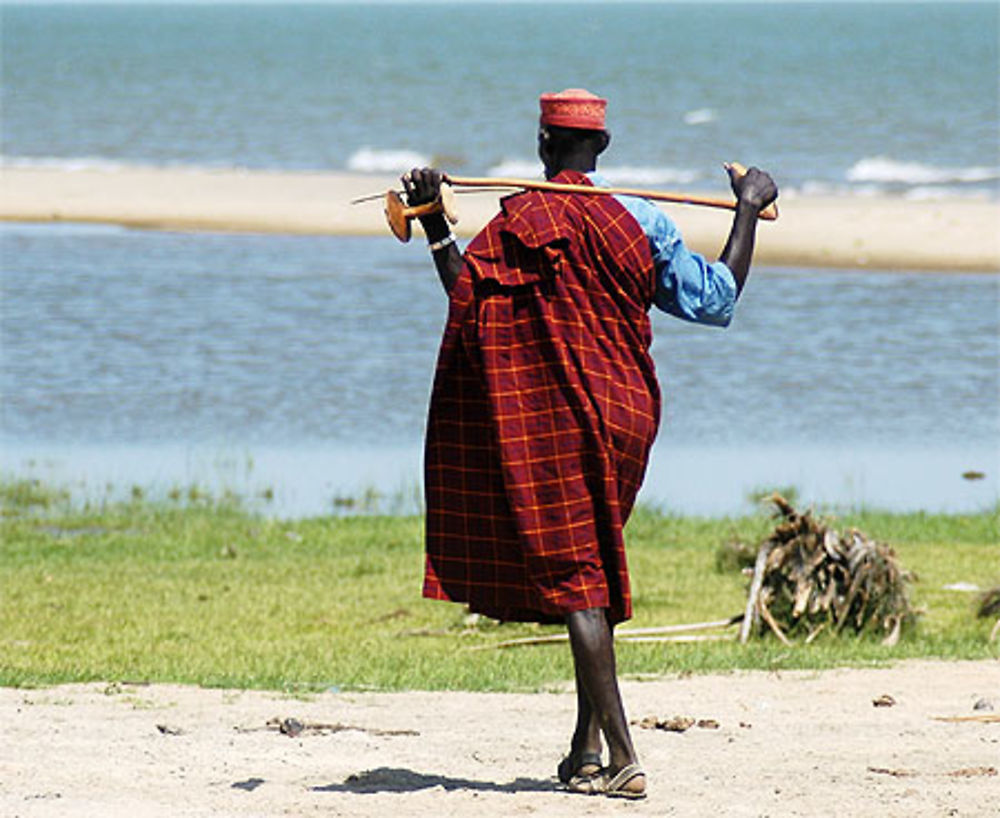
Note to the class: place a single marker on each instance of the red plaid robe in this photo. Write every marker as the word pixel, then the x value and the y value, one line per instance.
pixel 544 408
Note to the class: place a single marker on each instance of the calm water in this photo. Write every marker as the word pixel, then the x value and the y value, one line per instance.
pixel 855 97
pixel 305 364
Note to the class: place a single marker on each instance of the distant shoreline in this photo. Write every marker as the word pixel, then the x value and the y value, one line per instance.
pixel 945 235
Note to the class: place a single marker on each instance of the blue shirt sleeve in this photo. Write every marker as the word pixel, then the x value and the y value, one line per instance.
pixel 687 285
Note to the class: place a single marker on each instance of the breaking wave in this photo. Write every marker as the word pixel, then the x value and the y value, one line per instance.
pixel 517 168
pixel 640 175
pixel 616 174
pixel 887 171
pixel 71 163
pixel 700 116
pixel 370 160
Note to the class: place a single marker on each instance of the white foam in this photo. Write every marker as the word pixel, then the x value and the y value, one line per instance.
pixel 642 175
pixel 700 116
pixel 885 170
pixel 64 163
pixel 944 192
pixel 370 160
pixel 77 163
pixel 518 168
pixel 615 174
pixel 814 187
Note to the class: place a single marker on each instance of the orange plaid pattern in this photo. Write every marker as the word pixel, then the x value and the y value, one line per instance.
pixel 544 408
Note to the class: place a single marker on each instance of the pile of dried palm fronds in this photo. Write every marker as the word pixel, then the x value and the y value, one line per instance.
pixel 808 578
pixel 989 605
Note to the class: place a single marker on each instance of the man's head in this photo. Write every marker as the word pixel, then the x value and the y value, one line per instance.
pixel 571 133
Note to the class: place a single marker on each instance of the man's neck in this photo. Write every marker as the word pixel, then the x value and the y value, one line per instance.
pixel 581 164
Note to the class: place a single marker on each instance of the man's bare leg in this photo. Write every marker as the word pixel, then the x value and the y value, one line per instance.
pixel 594 656
pixel 587 734
pixel 585 746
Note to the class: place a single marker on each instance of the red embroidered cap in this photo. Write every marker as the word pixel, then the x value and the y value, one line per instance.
pixel 573 108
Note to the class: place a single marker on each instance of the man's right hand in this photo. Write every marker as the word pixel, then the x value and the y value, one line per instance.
pixel 422 185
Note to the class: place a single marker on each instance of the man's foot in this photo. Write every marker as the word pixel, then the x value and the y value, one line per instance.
pixel 628 782
pixel 581 764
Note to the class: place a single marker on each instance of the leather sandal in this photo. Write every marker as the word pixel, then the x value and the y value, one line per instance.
pixel 615 787
pixel 572 766
pixel 587 784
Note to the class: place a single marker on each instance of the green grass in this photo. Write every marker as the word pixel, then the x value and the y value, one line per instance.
pixel 200 591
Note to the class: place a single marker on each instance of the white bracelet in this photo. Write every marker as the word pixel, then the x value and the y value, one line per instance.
pixel 440 245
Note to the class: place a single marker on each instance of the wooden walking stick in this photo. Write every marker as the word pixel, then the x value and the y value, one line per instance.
pixel 399 215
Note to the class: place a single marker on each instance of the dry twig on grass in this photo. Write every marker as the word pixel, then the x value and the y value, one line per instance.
pixel 808 577
pixel 658 633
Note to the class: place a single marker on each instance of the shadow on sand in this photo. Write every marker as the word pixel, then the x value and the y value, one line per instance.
pixel 392 779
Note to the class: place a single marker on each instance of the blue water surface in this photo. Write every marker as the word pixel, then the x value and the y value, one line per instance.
pixel 305 363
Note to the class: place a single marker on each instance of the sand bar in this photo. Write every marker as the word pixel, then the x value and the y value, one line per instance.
pixel 781 743
pixel 876 233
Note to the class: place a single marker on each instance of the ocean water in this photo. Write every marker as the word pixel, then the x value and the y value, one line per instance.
pixel 300 367
pixel 843 97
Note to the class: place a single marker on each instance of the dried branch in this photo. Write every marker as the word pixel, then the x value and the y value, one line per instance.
pixel 625 635
pixel 751 616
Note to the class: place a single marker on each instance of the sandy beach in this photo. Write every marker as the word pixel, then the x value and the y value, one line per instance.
pixel 876 233
pixel 783 743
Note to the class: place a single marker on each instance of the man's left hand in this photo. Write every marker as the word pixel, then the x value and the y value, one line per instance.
pixel 755 187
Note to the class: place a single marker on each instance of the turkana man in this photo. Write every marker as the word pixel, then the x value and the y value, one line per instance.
pixel 545 405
